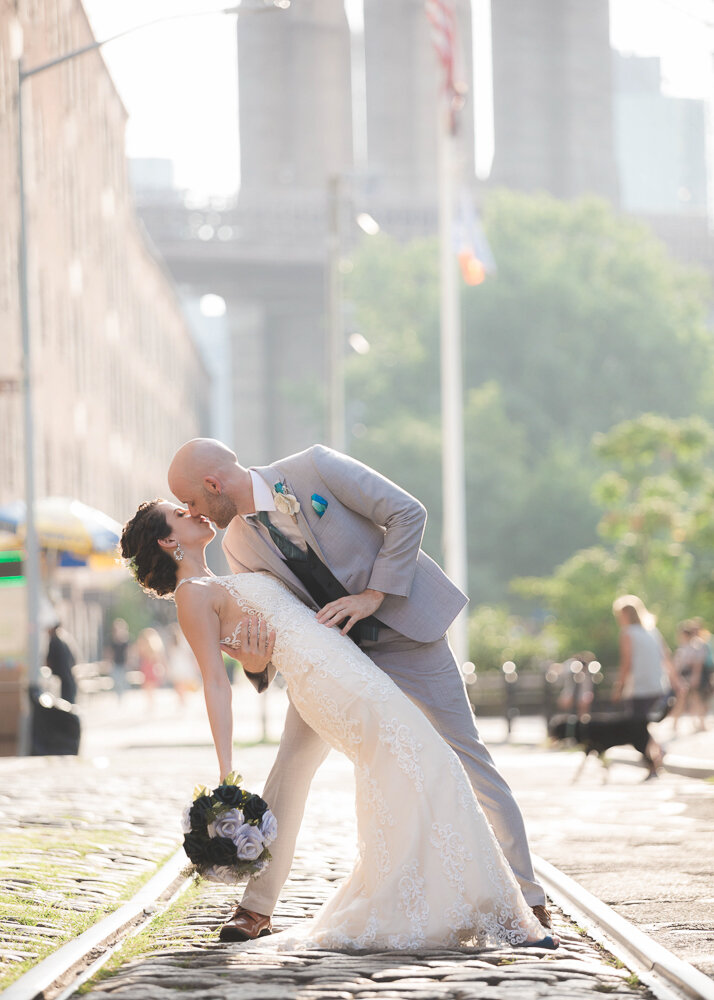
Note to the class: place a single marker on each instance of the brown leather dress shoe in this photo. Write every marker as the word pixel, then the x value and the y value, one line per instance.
pixel 245 925
pixel 543 915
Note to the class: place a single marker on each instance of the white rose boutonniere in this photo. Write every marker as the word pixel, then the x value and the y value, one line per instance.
pixel 285 502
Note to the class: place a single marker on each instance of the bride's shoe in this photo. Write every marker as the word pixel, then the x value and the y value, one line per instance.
pixel 550 942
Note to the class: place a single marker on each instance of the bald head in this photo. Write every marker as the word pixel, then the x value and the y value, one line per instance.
pixel 205 475
pixel 198 458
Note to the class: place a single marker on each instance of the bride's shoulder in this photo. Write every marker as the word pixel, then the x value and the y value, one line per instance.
pixel 193 589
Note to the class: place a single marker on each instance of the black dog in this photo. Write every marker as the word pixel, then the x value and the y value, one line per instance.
pixel 598 733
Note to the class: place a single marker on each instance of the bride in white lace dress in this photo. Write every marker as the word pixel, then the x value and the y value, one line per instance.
pixel 430 872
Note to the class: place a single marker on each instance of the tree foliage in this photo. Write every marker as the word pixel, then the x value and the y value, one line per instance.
pixel 587 323
pixel 495 636
pixel 657 527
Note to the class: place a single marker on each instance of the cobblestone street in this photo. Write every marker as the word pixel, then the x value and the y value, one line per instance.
pixel 185 960
pixel 79 835
pixel 184 957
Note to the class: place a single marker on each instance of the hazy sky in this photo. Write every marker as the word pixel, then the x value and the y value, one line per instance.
pixel 179 79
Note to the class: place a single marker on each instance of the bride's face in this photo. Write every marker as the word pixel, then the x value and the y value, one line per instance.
pixel 190 531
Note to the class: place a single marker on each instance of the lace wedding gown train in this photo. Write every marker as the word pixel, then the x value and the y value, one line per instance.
pixel 430 872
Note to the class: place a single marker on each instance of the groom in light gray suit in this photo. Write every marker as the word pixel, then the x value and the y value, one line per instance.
pixel 347 542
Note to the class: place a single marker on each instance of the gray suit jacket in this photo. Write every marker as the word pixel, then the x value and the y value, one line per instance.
pixel 369 536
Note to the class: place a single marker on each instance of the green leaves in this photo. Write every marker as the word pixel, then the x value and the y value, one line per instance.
pixel 588 325
pixel 658 525
pixel 652 442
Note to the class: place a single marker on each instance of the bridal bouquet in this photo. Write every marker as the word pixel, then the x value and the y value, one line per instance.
pixel 227 831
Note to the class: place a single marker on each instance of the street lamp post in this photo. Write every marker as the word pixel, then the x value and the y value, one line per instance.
pixel 335 340
pixel 32 560
pixel 32 555
pixel 452 392
pixel 339 191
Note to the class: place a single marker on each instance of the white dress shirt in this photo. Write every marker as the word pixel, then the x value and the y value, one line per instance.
pixel 286 523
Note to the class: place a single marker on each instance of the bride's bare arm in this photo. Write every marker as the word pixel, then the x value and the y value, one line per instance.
pixel 200 624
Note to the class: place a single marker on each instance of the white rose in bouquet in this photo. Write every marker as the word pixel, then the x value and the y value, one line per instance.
pixel 227 824
pixel 249 842
pixel 268 827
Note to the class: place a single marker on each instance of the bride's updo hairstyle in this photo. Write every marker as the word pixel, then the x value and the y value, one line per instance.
pixel 152 566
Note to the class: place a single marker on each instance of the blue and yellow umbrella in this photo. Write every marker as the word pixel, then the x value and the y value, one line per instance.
pixel 63 525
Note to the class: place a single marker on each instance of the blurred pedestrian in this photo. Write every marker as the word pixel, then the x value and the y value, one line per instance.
pixel 576 693
pixel 645 660
pixel 692 661
pixel 645 664
pixel 706 687
pixel 151 660
pixel 61 657
pixel 117 652
pixel 183 672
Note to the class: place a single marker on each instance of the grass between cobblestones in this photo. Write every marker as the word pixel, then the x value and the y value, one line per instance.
pixel 157 935
pixel 38 888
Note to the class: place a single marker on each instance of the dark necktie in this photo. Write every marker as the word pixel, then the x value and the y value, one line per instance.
pixel 317 578
pixel 285 546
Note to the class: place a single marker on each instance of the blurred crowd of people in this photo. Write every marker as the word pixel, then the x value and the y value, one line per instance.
pixel 155 658
pixel 652 681
pixel 648 671
pixel 151 661
pixel 649 675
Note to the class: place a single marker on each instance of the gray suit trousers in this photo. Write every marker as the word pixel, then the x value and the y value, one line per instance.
pixel 428 674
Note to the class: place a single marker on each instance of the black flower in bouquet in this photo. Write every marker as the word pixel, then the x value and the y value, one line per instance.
pixel 230 795
pixel 196 846
pixel 221 851
pixel 201 812
pixel 254 808
pixel 227 831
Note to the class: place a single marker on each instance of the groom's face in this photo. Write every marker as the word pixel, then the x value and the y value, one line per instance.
pixel 207 500
pixel 217 507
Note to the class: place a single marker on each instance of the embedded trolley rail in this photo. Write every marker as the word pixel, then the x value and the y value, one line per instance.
pixel 61 974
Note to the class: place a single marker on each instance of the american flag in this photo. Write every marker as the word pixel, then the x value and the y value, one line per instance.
pixel 443 33
pixel 474 253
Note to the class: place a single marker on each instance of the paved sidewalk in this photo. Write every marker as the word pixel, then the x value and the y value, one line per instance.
pixel 687 744
pixel 642 847
pixel 110 725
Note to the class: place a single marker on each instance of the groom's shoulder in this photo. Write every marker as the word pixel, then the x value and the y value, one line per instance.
pixel 311 452
pixel 328 464
pixel 313 455
pixel 324 462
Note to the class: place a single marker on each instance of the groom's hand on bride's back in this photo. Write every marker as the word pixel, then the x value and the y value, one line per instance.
pixel 353 607
pixel 256 647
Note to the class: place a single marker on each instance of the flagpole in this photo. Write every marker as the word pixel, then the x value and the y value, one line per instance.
pixel 452 415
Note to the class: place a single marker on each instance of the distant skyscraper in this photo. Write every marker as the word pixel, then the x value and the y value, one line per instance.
pixel 553 97
pixel 294 99
pixel 661 142
pixel 403 83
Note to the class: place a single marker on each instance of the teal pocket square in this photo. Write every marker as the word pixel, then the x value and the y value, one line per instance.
pixel 319 504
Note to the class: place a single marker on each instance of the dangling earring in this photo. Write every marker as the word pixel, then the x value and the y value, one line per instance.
pixel 178 552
